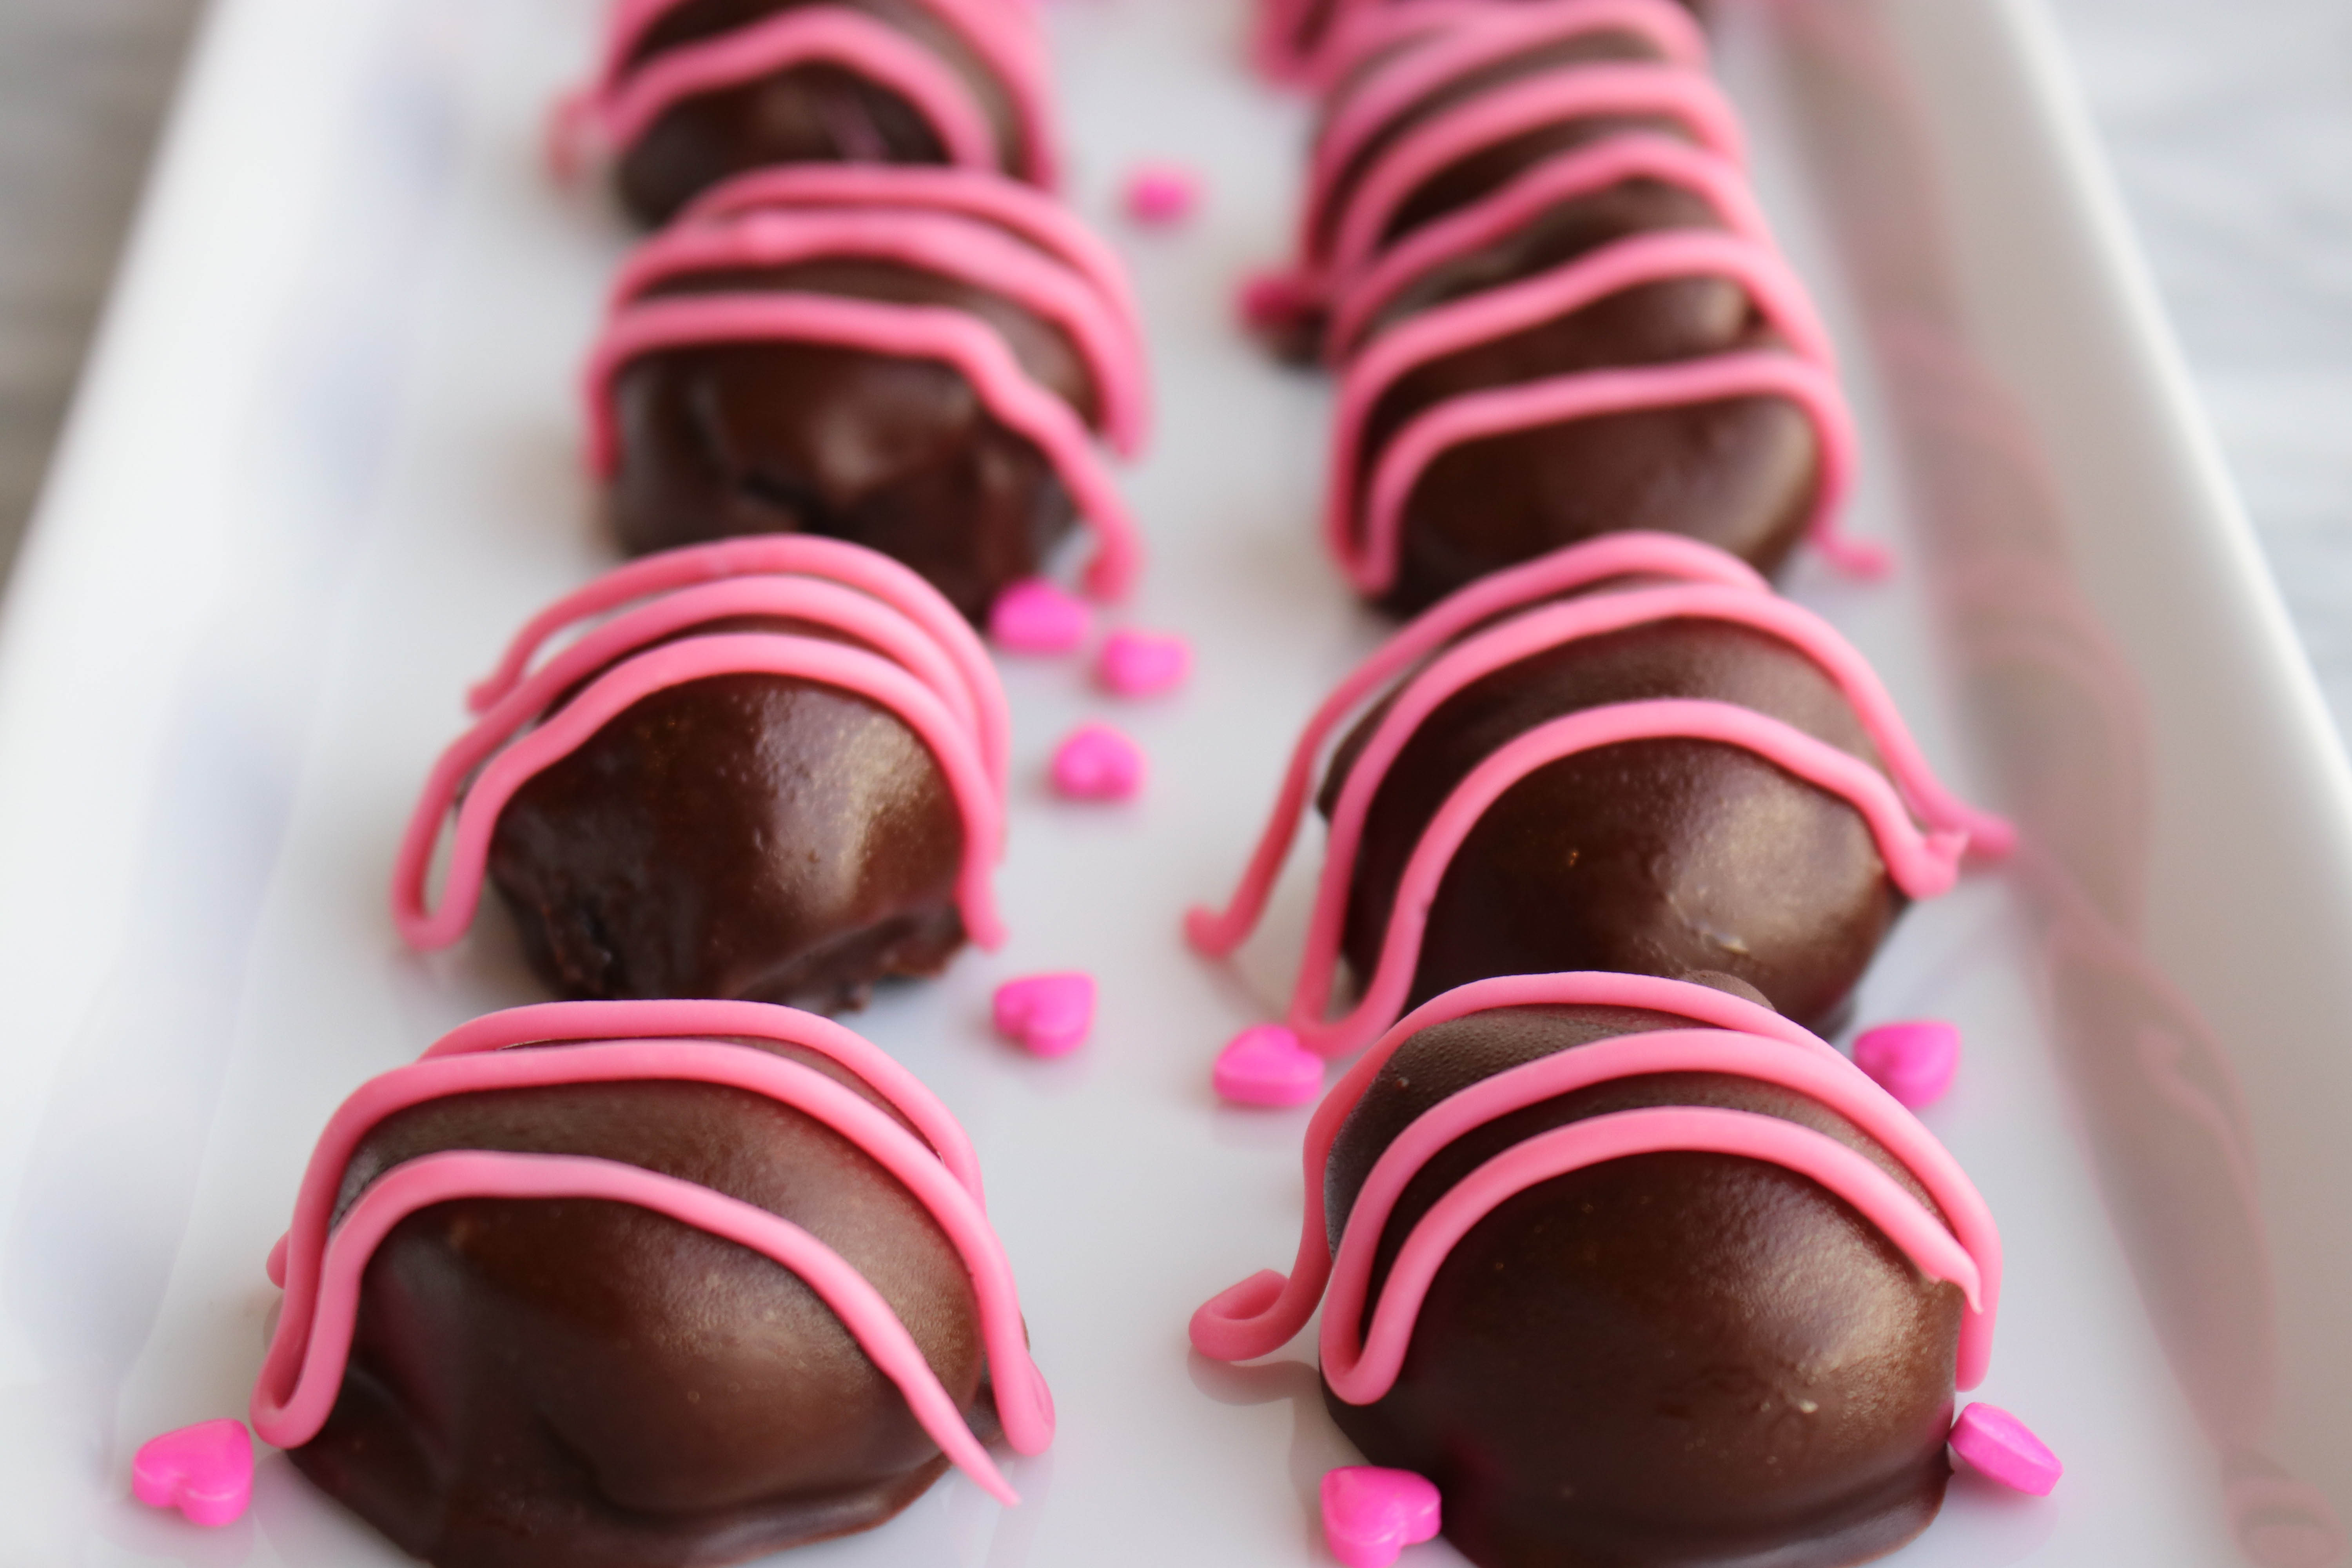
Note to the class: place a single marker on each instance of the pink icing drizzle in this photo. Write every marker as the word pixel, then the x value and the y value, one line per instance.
pixel 852 565
pixel 1023 209
pixel 516 739
pixel 1517 307
pixel 1567 93
pixel 1592 394
pixel 1921 865
pixel 1357 297
pixel 303 1371
pixel 1635 552
pixel 623 101
pixel 1474 41
pixel 1257 1316
pixel 921 331
pixel 1356 32
pixel 969 251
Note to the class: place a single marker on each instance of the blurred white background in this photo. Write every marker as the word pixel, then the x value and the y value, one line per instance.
pixel 2230 128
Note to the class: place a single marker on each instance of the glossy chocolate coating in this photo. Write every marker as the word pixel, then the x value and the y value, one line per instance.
pixel 753 837
pixel 1675 1358
pixel 571 1384
pixel 813 113
pixel 1648 858
pixel 898 455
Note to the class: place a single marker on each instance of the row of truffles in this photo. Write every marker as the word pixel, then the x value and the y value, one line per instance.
pixel 676 1271
pixel 1617 1259
pixel 1529 252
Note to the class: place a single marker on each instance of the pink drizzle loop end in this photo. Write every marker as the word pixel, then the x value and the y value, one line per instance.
pixel 1371 1514
pixel 1097 762
pixel 1999 1446
pixel 1048 1015
pixel 1266 1066
pixel 205 1470
pixel 1913 1062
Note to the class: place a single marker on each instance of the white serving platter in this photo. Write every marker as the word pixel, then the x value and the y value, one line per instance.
pixel 324 461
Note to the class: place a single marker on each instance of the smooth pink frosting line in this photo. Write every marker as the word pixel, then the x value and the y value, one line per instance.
pixel 1026 1408
pixel 908 331
pixel 1633 552
pixel 1005 37
pixel 1553 625
pixel 1023 209
pixel 1358 32
pixel 1488 36
pixel 1634 156
pixel 801 554
pixel 969 251
pixel 858 42
pixel 1494 313
pixel 1597 394
pixel 1362 1377
pixel 545 1023
pixel 293 1419
pixel 810 599
pixel 1259 1315
pixel 1922 866
pixel 655 670
pixel 1569 92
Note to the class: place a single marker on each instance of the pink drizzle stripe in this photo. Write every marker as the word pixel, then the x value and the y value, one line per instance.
pixel 953 337
pixel 1923 866
pixel 1597 394
pixel 1568 93
pixel 1023 209
pixel 1359 31
pixel 833 35
pixel 1489 36
pixel 970 252
pixel 1639 155
pixel 799 554
pixel 1005 39
pixel 1495 313
pixel 1259 1315
pixel 656 669
pixel 1360 1377
pixel 547 1023
pixel 1634 553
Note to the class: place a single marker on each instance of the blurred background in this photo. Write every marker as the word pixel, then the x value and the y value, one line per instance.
pixel 2229 127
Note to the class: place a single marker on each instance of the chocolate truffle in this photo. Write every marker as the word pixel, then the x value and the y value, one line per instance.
pixel 1705 1303
pixel 691 92
pixel 774 779
pixel 1631 755
pixel 912 361
pixel 628 1298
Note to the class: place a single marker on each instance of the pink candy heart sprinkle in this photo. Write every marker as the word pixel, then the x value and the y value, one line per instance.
pixel 1913 1062
pixel 205 1470
pixel 1265 1065
pixel 1163 193
pixel 1371 1514
pixel 1097 762
pixel 1998 1445
pixel 1049 1013
pixel 1035 616
pixel 1141 664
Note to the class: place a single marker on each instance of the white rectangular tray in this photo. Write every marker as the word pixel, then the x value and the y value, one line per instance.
pixel 324 463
